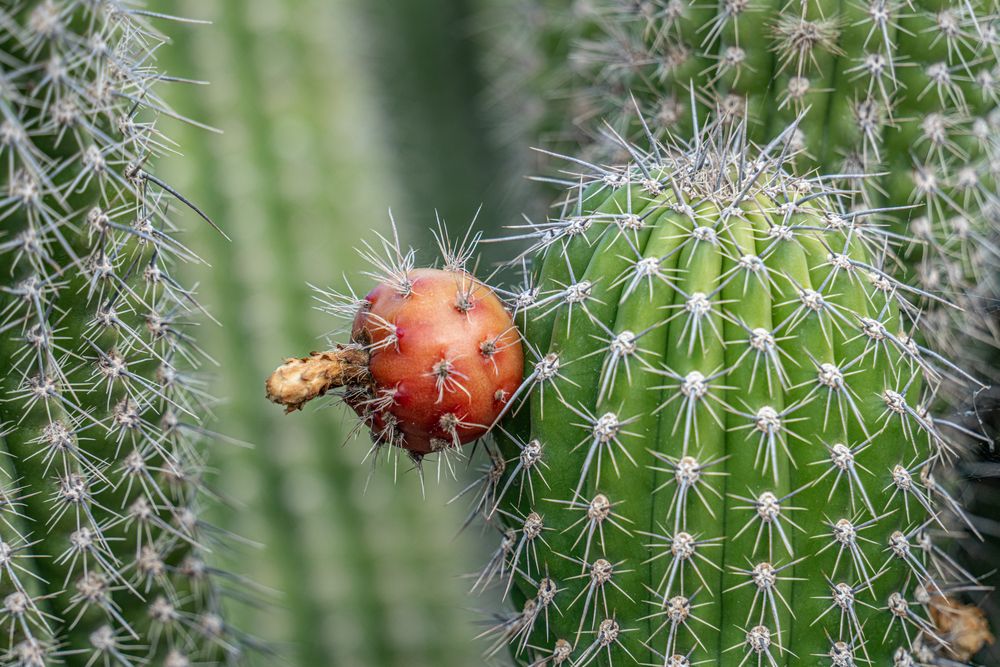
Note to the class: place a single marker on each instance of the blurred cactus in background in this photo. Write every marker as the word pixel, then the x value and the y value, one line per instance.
pixel 103 538
pixel 365 569
pixel 445 153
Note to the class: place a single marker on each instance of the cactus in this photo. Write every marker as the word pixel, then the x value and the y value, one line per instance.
pixel 721 449
pixel 904 92
pixel 738 458
pixel 103 412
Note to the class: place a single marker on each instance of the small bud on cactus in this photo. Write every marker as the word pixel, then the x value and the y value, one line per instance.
pixel 433 362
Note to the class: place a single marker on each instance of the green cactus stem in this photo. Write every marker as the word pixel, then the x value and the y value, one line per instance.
pixel 103 543
pixel 726 455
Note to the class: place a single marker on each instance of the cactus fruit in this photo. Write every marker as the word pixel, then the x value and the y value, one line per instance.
pixel 102 411
pixel 433 361
pixel 905 92
pixel 737 453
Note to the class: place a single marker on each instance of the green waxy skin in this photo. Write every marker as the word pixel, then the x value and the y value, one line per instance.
pixel 728 368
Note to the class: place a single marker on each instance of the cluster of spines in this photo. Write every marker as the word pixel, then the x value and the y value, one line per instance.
pixel 104 548
pixel 864 508
pixel 904 92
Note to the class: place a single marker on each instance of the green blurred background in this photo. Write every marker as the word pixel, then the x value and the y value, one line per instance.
pixel 332 112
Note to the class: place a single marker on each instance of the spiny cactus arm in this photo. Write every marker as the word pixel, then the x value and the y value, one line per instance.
pixel 776 390
pixel 105 418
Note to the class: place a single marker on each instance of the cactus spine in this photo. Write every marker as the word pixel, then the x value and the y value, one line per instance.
pixel 731 456
pixel 103 538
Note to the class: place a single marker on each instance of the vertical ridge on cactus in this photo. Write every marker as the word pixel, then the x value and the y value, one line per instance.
pixel 104 546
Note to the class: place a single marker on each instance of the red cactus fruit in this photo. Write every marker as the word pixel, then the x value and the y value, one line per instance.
pixel 433 360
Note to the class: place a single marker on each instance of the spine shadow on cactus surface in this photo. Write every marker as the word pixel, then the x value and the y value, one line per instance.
pixel 105 551
pixel 721 448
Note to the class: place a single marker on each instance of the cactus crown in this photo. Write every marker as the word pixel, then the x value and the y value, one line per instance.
pixel 721 449
pixel 102 538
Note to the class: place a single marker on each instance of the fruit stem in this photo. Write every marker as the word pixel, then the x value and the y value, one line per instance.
pixel 298 381
pixel 964 627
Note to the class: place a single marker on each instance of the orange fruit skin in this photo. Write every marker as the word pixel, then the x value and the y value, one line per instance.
pixel 455 363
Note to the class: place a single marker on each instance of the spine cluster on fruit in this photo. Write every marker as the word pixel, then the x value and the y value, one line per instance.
pixel 103 542
pixel 433 362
